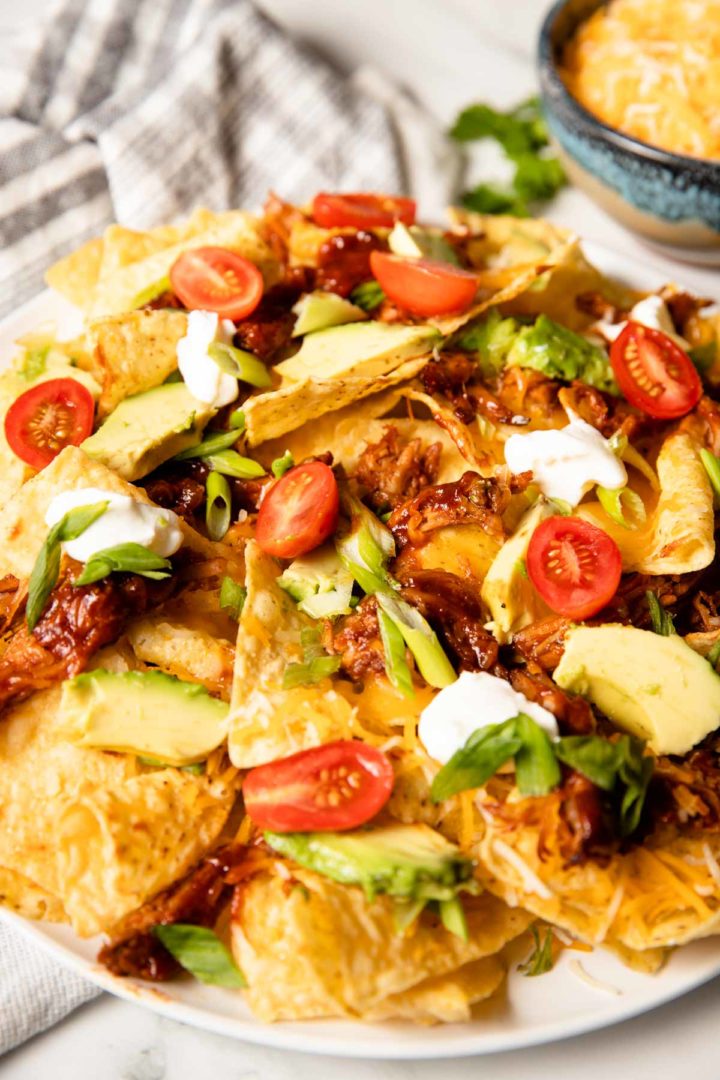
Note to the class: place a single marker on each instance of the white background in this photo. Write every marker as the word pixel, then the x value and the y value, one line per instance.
pixel 449 52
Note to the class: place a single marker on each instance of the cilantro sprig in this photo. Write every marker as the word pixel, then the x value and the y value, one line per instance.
pixel 620 768
pixel 522 134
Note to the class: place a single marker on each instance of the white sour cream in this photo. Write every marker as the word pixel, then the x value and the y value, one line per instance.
pixel 653 312
pixel 202 376
pixel 126 521
pixel 566 463
pixel 475 700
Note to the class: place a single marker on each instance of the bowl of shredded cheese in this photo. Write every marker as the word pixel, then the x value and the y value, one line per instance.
pixel 631 91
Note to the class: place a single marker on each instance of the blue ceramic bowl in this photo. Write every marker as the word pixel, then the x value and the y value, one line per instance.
pixel 672 200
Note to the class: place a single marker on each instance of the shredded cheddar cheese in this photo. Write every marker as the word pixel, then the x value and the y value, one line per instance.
pixel 651 69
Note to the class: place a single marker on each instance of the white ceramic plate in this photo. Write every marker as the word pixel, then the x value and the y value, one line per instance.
pixel 530 1011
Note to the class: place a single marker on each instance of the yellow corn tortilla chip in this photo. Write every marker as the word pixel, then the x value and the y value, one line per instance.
pixel 266 721
pixel 321 950
pixel 662 893
pixel 133 352
pixel 233 229
pixel 23 530
pixel 23 896
pixel 98 832
pixel 191 653
pixel 678 536
pixel 270 415
pixel 76 275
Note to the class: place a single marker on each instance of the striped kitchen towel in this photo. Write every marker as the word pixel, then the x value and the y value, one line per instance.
pixel 137 111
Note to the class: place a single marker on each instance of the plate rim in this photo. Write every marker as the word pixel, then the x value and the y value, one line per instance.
pixel 299 1036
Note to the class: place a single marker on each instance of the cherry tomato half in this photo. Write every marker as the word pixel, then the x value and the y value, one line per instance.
pixel 362 211
pixel 215 279
pixel 574 566
pixel 654 373
pixel 299 512
pixel 48 417
pixel 337 786
pixel 424 286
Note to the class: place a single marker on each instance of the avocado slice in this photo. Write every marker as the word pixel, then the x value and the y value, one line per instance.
pixel 366 349
pixel 406 861
pixel 318 310
pixel 652 686
pixel 415 242
pixel 147 429
pixel 507 590
pixel 147 713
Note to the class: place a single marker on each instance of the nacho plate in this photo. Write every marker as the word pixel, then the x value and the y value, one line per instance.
pixel 542 1010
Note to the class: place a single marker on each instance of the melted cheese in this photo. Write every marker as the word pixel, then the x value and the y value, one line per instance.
pixel 652 70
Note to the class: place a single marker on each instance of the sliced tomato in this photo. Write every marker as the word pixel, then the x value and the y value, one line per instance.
pixel 48 417
pixel 424 286
pixel 298 512
pixel 215 279
pixel 654 373
pixel 337 786
pixel 574 566
pixel 362 211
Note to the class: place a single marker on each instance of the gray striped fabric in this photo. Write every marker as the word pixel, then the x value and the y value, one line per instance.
pixel 137 111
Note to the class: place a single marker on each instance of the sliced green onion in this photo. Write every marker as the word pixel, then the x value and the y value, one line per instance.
pixel 405 913
pixel 46 570
pixel 132 558
pixel 213 444
pixel 368 295
pixel 452 916
pixel 218 506
pixel 540 960
pixel 366 547
pixel 34 363
pixel 712 468
pixel 200 951
pixel 281 465
pixel 421 640
pixel 396 665
pixel 662 620
pixel 612 503
pixel 232 597
pixel 237 419
pixel 230 463
pixel 313 671
pixel 240 364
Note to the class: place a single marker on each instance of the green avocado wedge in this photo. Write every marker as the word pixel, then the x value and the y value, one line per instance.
pixel 147 429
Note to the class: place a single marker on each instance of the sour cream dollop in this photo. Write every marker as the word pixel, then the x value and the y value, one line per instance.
pixel 653 312
pixel 126 521
pixel 566 463
pixel 201 375
pixel 475 700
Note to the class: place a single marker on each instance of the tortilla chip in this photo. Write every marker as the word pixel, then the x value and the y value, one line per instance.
pixel 270 415
pixel 266 721
pixel 662 893
pixel 23 530
pixel 191 653
pixel 95 830
pixel 678 536
pixel 133 352
pixel 75 277
pixel 321 950
pixel 25 898
pixel 234 229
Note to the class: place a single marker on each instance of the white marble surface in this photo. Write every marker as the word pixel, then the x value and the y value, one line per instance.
pixel 450 52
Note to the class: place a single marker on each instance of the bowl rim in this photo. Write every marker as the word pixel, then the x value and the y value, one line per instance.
pixel 548 65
